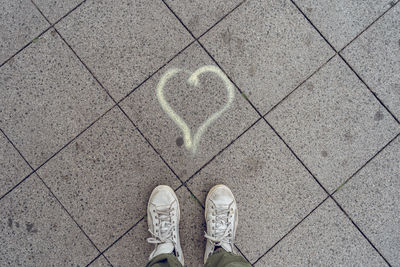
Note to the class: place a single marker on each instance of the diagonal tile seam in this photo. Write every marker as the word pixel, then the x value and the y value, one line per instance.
pixel 330 195
pixel 183 184
pixel 291 230
pixel 392 5
pixel 51 192
pixel 143 218
pixel 339 53
pixel 196 39
pixel 43 32
pixel 55 154
pixel 276 132
pixel 366 163
pixel 34 170
pixel 180 52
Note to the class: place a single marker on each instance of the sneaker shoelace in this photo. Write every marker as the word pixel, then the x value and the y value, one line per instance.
pixel 164 228
pixel 221 231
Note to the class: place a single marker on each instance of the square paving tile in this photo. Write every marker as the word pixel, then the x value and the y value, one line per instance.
pixel 372 199
pixel 104 177
pixel 20 23
pixel 268 48
pixel 325 238
pixel 133 249
pixel 273 191
pixel 200 15
pixel 375 56
pixel 36 231
pixel 12 167
pixel 195 105
pixel 333 123
pixel 123 42
pixel 341 21
pixel 55 9
pixel 47 98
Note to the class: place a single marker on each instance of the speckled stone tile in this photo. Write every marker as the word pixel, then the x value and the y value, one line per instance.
pixel 333 123
pixel 20 23
pixel 195 105
pixel 272 189
pixel 101 262
pixel 372 199
pixel 200 15
pixel 12 166
pixel 104 177
pixel 341 21
pixel 133 249
pixel 325 238
pixel 55 9
pixel 375 56
pixel 123 42
pixel 47 98
pixel 268 48
pixel 36 231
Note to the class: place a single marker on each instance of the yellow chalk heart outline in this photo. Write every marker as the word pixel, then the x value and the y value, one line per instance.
pixel 191 144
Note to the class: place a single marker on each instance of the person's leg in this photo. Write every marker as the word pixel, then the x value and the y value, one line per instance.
pixel 164 260
pixel 222 258
pixel 163 216
pixel 221 217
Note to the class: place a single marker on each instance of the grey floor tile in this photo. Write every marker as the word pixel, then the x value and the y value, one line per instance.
pixel 372 199
pixel 341 21
pixel 12 166
pixel 36 231
pixel 273 191
pixel 267 48
pixel 375 56
pixel 195 105
pixel 333 123
pixel 325 238
pixel 101 262
pixel 20 23
pixel 55 9
pixel 47 98
pixel 200 15
pixel 133 250
pixel 123 42
pixel 104 177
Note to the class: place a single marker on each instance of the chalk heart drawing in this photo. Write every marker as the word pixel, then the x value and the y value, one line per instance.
pixel 191 143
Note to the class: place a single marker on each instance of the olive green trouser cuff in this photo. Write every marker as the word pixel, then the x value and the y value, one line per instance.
pixel 220 258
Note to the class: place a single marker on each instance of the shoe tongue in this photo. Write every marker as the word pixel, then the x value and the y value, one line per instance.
pixel 164 248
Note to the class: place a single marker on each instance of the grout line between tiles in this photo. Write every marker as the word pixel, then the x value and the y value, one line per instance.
pixel 369 26
pixel 52 193
pixel 359 229
pixel 291 230
pixel 369 88
pixel 366 163
pixel 303 82
pixel 264 117
pixel 352 69
pixel 196 39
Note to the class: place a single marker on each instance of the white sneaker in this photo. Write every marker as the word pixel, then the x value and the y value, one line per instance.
pixel 221 218
pixel 163 216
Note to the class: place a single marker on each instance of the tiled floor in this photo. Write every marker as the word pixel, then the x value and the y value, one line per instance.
pixel 298 112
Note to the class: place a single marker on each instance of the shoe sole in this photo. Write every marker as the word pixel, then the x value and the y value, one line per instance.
pixel 179 211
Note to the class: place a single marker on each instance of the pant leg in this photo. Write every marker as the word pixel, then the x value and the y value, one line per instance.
pixel 222 258
pixel 164 260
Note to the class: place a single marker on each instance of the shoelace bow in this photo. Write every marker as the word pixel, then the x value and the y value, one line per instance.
pixel 221 230
pixel 164 228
